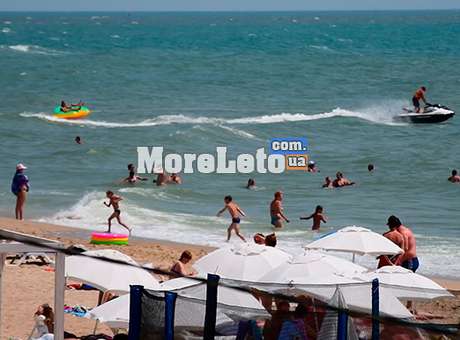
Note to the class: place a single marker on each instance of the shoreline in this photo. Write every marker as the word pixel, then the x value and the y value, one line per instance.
pixel 66 234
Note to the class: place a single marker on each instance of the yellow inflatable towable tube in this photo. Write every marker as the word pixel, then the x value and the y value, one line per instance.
pixel 76 113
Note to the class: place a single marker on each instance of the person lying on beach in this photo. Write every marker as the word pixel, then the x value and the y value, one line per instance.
pixel 327 183
pixel 132 176
pixel 259 238
pixel 114 201
pixel 276 210
pixel 317 217
pixel 72 107
pixel 341 181
pixel 180 267
pixel 251 184
pixel 235 212
pixel 455 178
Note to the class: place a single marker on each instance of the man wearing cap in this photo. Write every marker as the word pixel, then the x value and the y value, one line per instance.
pixel 20 187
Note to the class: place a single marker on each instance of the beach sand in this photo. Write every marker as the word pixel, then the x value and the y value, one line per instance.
pixel 28 286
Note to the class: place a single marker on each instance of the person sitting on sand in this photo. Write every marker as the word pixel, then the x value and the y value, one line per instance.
pixel 259 238
pixel 114 201
pixel 180 267
pixel 317 217
pixel 251 184
pixel 235 212
pixel 48 318
pixel 276 210
pixel 327 183
pixel 132 176
pixel 455 178
pixel 175 179
pixel 270 240
pixel 20 187
pixel 311 167
pixel 397 238
pixel 341 181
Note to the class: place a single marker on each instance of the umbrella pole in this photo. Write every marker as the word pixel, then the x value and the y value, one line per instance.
pixel 95 326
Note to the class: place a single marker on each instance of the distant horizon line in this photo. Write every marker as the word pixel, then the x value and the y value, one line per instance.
pixel 231 11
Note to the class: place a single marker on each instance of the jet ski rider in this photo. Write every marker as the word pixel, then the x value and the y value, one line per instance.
pixel 419 95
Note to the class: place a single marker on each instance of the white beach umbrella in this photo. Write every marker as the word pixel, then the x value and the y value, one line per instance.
pixel 108 276
pixel 356 240
pixel 313 267
pixel 405 284
pixel 359 299
pixel 190 305
pixel 246 262
pixel 226 296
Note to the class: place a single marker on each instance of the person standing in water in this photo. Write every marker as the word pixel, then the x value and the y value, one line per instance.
pixel 317 217
pixel 114 201
pixel 235 212
pixel 20 187
pixel 419 95
pixel 276 210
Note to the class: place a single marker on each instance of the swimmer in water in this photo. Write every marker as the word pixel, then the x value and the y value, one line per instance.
pixel 114 201
pixel 328 182
pixel 251 184
pixel 370 167
pixel 317 217
pixel 78 140
pixel 341 181
pixel 311 167
pixel 132 176
pixel 175 179
pixel 455 178
pixel 235 212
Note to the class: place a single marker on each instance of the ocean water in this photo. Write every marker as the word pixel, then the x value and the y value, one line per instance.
pixel 194 81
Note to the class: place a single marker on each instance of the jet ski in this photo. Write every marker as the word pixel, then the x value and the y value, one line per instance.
pixel 431 113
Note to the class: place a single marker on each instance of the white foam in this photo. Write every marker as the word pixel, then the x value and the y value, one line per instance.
pixel 6 30
pixel 115 36
pixel 34 49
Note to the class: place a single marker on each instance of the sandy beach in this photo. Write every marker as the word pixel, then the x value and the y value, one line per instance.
pixel 30 285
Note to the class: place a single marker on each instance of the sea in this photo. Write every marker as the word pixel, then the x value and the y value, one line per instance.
pixel 193 81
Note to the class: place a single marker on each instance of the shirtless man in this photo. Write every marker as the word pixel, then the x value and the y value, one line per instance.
pixel 397 238
pixel 175 179
pixel 114 201
pixel 179 268
pixel 162 178
pixel 276 211
pixel 235 212
pixel 419 95
pixel 455 178
pixel 317 217
pixel 409 259
pixel 341 181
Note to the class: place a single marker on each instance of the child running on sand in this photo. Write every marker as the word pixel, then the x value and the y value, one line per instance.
pixel 235 212
pixel 114 201
pixel 317 217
